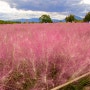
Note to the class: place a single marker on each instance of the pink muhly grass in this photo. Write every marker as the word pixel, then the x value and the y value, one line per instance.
pixel 42 56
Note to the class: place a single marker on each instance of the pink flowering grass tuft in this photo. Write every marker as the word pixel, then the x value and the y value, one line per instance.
pixel 43 56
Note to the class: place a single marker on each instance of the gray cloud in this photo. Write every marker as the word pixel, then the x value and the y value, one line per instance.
pixel 6 12
pixel 63 7
pixel 43 5
pixel 70 6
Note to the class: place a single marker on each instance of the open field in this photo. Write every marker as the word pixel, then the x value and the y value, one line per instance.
pixel 43 56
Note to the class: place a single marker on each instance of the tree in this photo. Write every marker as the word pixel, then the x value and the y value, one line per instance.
pixel 70 18
pixel 87 17
pixel 45 19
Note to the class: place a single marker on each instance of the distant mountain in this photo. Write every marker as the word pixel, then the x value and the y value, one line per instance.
pixel 37 19
pixel 33 20
pixel 56 20
pixel 78 18
pixel 27 20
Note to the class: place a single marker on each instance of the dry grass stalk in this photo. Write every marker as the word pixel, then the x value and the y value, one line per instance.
pixel 69 82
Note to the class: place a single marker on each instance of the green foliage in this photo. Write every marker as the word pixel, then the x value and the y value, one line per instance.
pixel 87 17
pixel 79 21
pixel 45 19
pixel 70 18
pixel 8 22
pixel 79 85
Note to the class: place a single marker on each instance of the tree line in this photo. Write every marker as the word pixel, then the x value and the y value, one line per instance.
pixel 8 22
pixel 47 19
pixel 69 18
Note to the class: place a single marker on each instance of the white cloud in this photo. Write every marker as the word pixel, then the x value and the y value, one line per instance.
pixel 85 2
pixel 13 13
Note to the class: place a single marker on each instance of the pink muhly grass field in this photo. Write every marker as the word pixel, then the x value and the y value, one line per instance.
pixel 43 56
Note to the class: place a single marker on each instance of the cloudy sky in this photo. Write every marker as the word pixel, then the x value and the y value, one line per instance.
pixel 57 9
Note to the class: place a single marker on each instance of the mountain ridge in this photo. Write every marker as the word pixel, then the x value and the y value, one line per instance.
pixel 37 19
